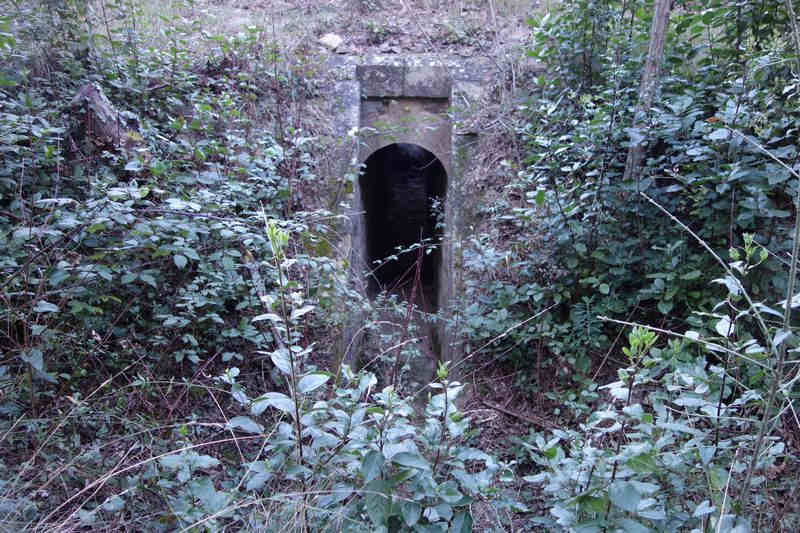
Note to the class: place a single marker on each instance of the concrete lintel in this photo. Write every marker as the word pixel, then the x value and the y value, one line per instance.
pixel 395 81
pixel 381 81
pixel 427 82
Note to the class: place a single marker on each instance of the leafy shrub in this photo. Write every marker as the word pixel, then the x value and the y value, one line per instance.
pixel 576 236
pixel 689 436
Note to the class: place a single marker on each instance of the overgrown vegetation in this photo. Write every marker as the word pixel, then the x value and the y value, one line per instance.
pixel 153 237
pixel 172 298
pixel 698 247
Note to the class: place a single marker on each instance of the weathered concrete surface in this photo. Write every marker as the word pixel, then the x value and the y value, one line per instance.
pixel 464 146
pixel 380 81
pixel 423 122
pixel 427 82
pixel 480 70
pixel 417 116
pixel 392 81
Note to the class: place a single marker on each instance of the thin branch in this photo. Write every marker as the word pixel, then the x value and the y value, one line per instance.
pixel 710 345
pixel 540 422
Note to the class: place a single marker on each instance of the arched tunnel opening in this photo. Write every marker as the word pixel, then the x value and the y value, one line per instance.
pixel 402 189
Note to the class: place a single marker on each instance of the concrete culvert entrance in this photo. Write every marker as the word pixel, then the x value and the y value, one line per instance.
pixel 402 190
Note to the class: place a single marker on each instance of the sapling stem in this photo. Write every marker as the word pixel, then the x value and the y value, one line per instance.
pixel 277 239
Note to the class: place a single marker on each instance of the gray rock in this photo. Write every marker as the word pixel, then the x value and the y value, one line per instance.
pixel 331 41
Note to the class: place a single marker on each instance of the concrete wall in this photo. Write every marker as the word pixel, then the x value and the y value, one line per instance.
pixel 402 104
pixel 418 100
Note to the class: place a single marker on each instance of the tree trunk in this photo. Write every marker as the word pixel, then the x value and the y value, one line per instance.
pixel 647 90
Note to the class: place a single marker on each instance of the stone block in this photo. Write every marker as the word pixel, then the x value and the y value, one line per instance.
pixel 427 82
pixel 380 81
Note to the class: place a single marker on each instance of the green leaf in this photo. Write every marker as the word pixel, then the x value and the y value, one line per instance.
pixel 25 233
pixel 551 452
pixel 43 306
pixel 203 461
pixel 7 82
pixel 725 327
pixel 297 313
pixel 632 526
pixel 280 358
pixel 643 463
pixel 703 509
pixel 694 274
pixel 706 453
pixel 246 424
pixel 191 253
pixel 449 492
pixel 593 504
pixel 312 382
pixel 411 511
pixel 371 465
pixel 272 399
pixel 35 358
pixel 402 475
pixel 604 288
pixel 444 511
pixel 87 517
pixel 717 477
pixel 267 316
pixel 376 503
pixel 189 459
pixel 339 492
pixel 180 260
pixel 211 500
pixel 462 523
pixel 58 276
pixel 261 473
pixel 665 306
pixel 258 481
pixel 413 460
pixel 624 495
pixel 113 504
pixel 133 166
pixel 719 134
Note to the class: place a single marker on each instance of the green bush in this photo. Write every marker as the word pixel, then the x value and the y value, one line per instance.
pixel 577 237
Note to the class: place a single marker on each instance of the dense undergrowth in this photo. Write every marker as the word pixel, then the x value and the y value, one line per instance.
pixel 698 246
pixel 171 294
pixel 168 306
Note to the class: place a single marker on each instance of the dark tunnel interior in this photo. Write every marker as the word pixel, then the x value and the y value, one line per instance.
pixel 402 189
